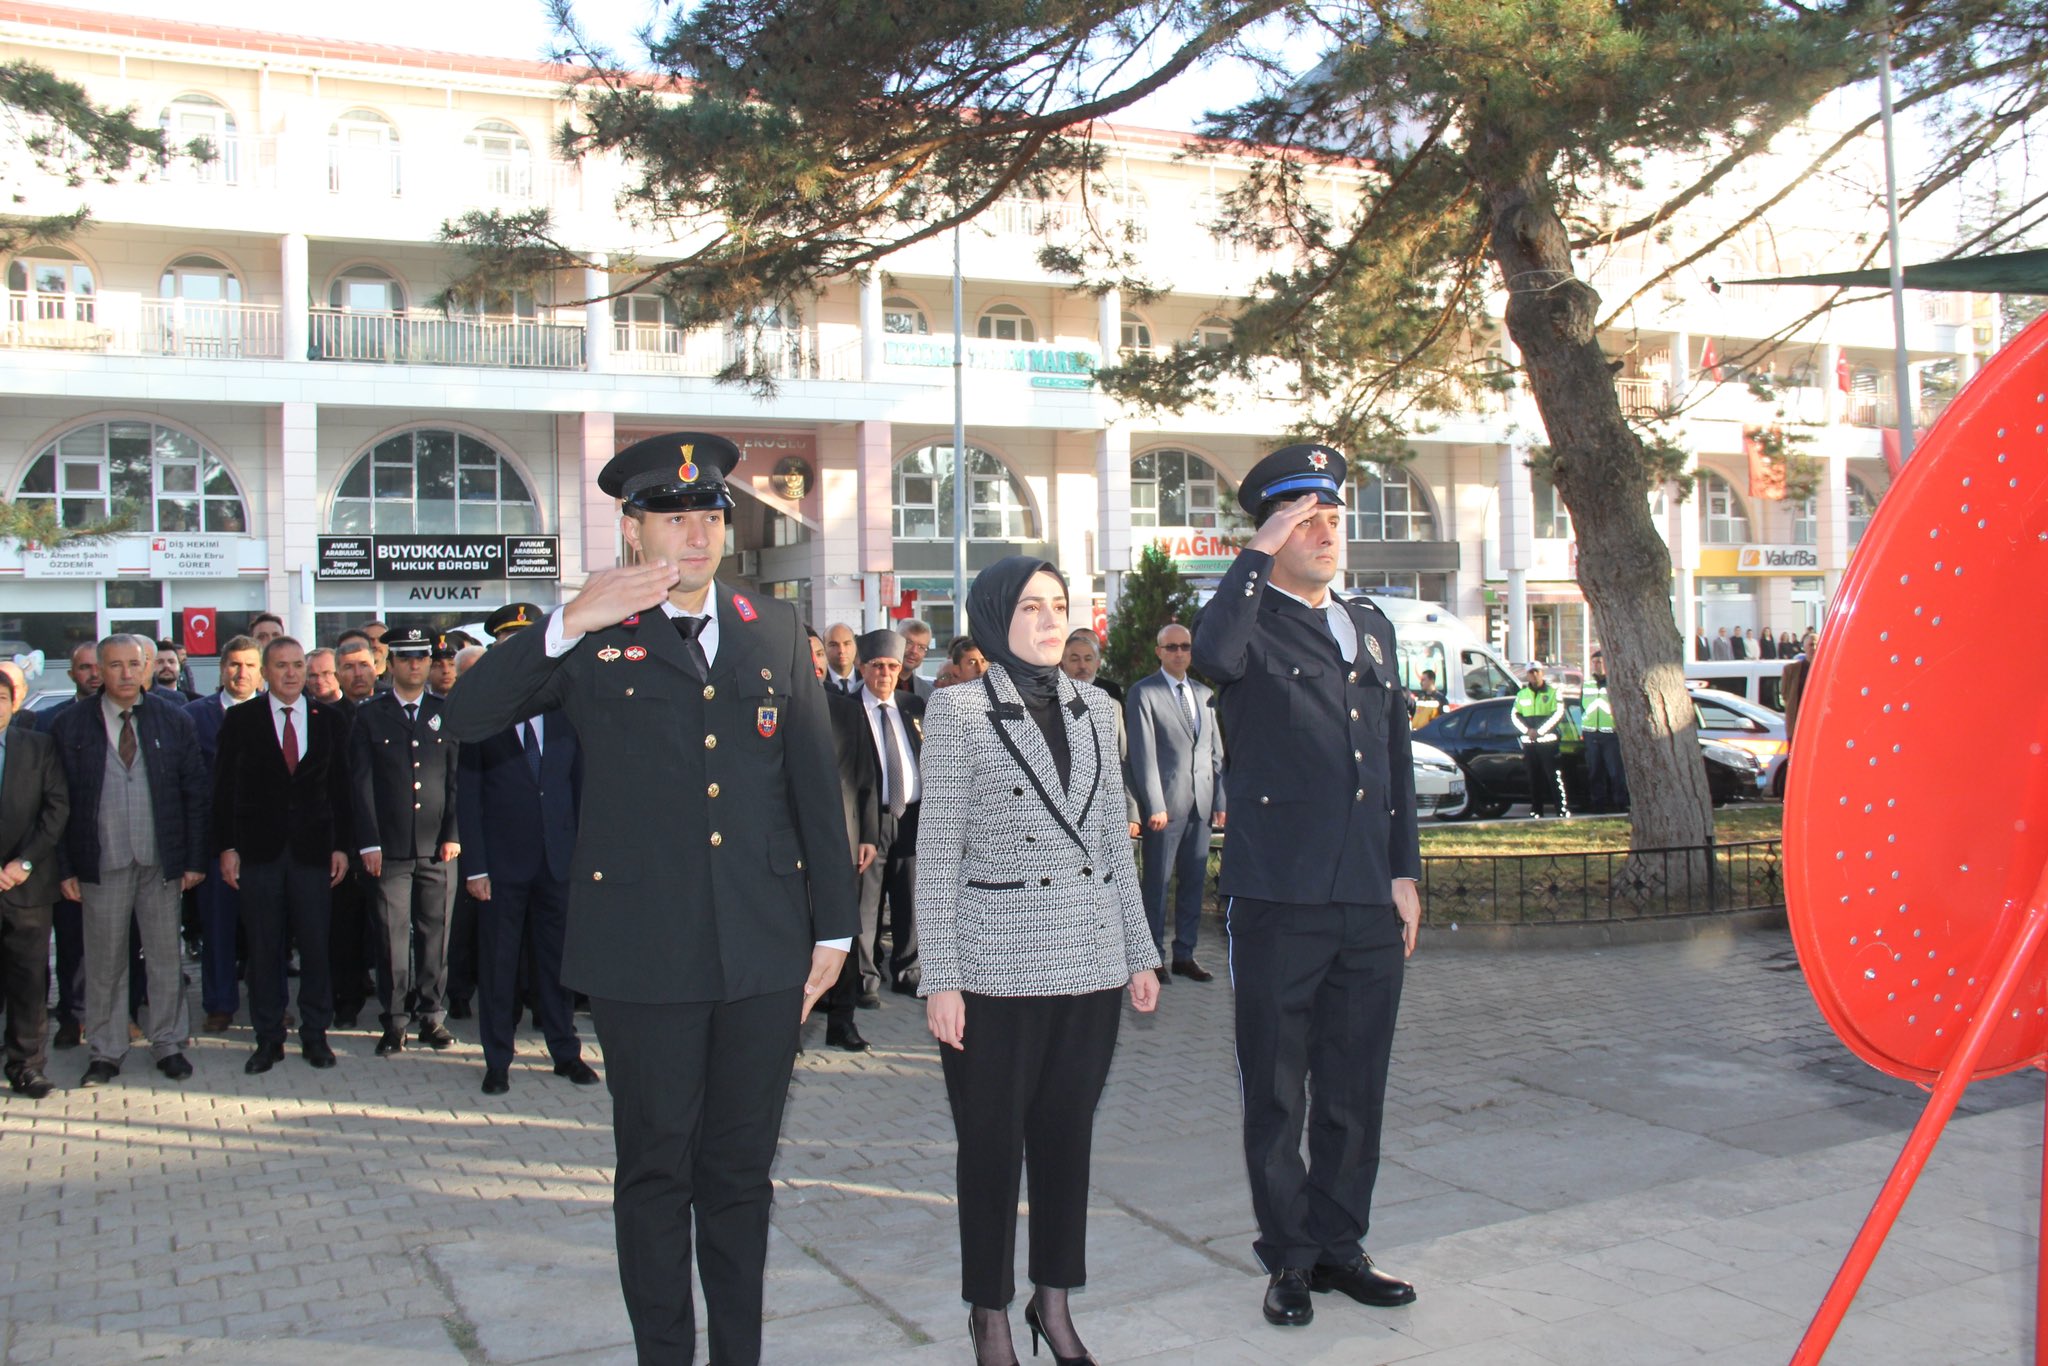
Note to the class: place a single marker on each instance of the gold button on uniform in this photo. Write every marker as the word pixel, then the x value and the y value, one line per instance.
pixel 709 692
pixel 629 692
pixel 1361 795
pixel 597 877
pixel 711 742
pixel 415 787
pixel 1354 713
pixel 716 839
pixel 711 791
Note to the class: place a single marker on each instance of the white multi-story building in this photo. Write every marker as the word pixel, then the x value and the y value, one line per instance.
pixel 245 356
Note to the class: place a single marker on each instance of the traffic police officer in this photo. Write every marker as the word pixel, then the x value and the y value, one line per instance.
pixel 709 906
pixel 1607 786
pixel 1320 862
pixel 402 767
pixel 1540 718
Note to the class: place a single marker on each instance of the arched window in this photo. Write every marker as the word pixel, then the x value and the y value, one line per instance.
pixel 1723 519
pixel 200 279
pixel 1180 488
pixel 1006 322
pixel 49 285
pixel 1211 333
pixel 366 289
pixel 997 507
pixel 1862 507
pixel 202 124
pixel 157 477
pixel 433 480
pixel 1388 504
pixel 362 154
pixel 902 317
pixel 502 159
pixel 1137 336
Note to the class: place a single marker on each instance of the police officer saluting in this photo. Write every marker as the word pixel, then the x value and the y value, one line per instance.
pixel 1320 861
pixel 402 764
pixel 1540 718
pixel 709 906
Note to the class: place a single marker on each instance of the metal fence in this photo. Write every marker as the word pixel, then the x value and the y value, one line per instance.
pixel 1607 885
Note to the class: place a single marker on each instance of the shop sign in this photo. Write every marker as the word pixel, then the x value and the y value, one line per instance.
pixel 1197 552
pixel 394 559
pixel 73 560
pixel 195 557
pixel 445 592
pixel 1077 368
pixel 1777 559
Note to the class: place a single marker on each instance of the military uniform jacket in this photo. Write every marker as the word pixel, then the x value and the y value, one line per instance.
pixel 403 777
pixel 707 807
pixel 1024 887
pixel 1319 769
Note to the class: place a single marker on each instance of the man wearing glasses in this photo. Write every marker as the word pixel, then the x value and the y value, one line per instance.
pixel 1176 769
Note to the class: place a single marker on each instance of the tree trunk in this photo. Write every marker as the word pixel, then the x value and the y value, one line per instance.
pixel 1602 476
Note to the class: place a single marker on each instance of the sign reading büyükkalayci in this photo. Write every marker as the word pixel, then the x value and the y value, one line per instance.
pixel 387 559
pixel 1032 360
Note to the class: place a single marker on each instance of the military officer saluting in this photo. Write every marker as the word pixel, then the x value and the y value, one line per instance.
pixel 1320 862
pixel 709 906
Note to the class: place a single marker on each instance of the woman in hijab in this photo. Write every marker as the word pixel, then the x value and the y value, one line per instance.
pixel 1032 929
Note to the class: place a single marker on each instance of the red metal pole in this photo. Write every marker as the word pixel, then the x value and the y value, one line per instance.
pixel 1948 1090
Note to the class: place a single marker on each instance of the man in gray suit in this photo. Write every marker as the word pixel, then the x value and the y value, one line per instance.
pixel 1176 770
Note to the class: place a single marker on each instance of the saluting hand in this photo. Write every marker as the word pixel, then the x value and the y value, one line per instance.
pixel 1269 538
pixel 1408 905
pixel 825 965
pixel 611 595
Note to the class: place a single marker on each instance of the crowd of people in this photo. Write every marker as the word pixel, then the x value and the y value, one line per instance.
pixel 1740 643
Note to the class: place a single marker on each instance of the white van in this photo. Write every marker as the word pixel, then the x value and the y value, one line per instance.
pixel 1433 637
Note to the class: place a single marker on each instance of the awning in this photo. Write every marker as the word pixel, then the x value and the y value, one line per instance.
pixel 2011 272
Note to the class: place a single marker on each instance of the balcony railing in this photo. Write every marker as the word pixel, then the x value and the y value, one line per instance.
pixel 1642 397
pixel 775 353
pixel 183 327
pixel 434 339
pixel 119 323
pixel 365 170
pixel 1882 410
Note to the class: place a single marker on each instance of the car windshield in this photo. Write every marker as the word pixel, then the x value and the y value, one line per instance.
pixel 1741 706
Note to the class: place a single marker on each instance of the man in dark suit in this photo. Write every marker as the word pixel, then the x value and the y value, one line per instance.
pixel 895 726
pixel 842 660
pixel 280 807
pixel 220 907
pixel 1702 648
pixel 34 806
pixel 516 799
pixel 854 752
pixel 699 922
pixel 67 920
pixel 350 953
pixel 135 842
pixel 1320 862
pixel 402 766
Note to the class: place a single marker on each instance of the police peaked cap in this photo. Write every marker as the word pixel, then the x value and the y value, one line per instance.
pixel 412 642
pixel 1291 472
pixel 674 472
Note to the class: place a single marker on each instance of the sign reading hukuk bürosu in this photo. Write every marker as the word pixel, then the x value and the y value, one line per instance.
pixel 386 559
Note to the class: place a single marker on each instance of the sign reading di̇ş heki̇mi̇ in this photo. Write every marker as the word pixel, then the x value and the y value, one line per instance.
pixel 386 559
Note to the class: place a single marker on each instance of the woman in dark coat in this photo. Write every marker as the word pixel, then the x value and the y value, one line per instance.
pixel 1031 931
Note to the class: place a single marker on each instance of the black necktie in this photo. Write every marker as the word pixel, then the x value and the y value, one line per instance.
pixel 689 628
pixel 412 713
pixel 530 740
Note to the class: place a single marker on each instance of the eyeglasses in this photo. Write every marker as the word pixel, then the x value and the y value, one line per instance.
pixel 1178 645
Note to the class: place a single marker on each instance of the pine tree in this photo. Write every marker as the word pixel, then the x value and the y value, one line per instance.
pixel 1155 594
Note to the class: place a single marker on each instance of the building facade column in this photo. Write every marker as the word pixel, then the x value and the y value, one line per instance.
pixel 295 524
pixel 1113 510
pixel 871 335
pixel 1682 532
pixel 1680 377
pixel 874 459
pixel 597 315
pixel 1832 398
pixel 585 452
pixel 1109 323
pixel 295 322
pixel 1517 541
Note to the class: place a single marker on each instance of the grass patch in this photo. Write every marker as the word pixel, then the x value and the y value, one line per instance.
pixel 1732 825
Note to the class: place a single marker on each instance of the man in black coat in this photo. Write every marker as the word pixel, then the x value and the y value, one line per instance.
pixel 895 727
pixel 220 910
pixel 34 805
pixel 280 810
pixel 516 799
pixel 1320 862
pixel 853 751
pixel 700 923
pixel 67 921
pixel 402 768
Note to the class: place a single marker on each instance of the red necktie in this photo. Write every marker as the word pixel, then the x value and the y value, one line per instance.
pixel 291 744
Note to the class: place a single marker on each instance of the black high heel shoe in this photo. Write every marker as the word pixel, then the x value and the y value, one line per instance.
pixel 1037 1327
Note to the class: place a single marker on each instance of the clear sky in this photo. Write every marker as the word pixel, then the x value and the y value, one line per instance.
pixel 520 28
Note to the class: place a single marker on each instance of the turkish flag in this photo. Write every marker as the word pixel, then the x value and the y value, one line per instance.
pixel 201 634
pixel 1710 361
pixel 1842 372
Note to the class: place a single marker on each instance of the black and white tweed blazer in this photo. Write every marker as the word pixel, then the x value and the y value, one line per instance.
pixel 1024 888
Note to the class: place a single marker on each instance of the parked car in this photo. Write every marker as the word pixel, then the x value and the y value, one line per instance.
pixel 47 698
pixel 1747 726
pixel 1439 783
pixel 1482 739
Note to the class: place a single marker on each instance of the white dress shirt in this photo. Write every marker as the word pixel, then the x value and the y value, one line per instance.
pixel 558 643
pixel 1335 616
pixel 298 711
pixel 899 735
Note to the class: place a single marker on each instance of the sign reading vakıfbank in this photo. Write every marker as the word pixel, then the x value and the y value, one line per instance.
pixel 1777 559
pixel 386 559
pixel 1050 367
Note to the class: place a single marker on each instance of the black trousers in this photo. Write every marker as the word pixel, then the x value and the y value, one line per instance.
pixel 1607 788
pixel 891 878
pixel 282 902
pixel 1023 1092
pixel 1545 787
pixel 25 985
pixel 411 936
pixel 1317 990
pixel 463 928
pixel 697 1091
pixel 348 945
pixel 520 915
pixel 67 926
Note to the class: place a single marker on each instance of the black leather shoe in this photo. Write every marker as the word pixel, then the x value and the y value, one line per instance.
pixel 99 1073
pixel 1165 977
pixel 1364 1282
pixel 579 1071
pixel 495 1081
pixel 436 1036
pixel 870 1000
pixel 392 1042
pixel 344 1021
pixel 68 1035
pixel 266 1056
pixel 460 1010
pixel 845 1036
pixel 29 1083
pixel 1288 1304
pixel 1193 971
pixel 177 1067
pixel 315 1049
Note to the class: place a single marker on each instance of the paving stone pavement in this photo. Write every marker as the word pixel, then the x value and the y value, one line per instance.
pixel 1630 1155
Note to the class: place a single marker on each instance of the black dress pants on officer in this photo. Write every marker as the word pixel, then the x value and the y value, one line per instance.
pixel 1546 788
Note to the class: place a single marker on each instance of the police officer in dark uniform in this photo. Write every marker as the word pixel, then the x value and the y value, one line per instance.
pixel 709 907
pixel 402 766
pixel 1319 866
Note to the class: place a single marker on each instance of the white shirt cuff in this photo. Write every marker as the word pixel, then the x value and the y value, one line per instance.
pixel 843 945
pixel 373 849
pixel 559 644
